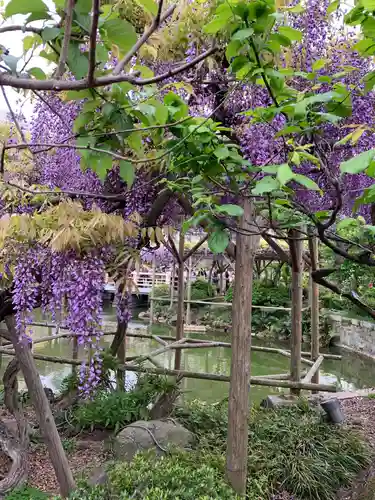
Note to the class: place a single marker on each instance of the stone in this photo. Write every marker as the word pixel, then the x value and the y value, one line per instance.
pixel 273 401
pixel 143 435
pixel 98 476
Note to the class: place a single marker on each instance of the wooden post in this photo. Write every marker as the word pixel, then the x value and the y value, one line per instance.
pixel 296 249
pixel 314 304
pixel 74 353
pixel 152 291
pixel 172 285
pixel 180 300
pixel 42 410
pixel 238 408
pixel 188 306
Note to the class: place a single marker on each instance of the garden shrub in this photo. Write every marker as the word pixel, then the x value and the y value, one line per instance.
pixel 178 475
pixel 266 295
pixel 114 410
pixel 162 291
pixel 291 447
pixel 26 493
pixel 201 289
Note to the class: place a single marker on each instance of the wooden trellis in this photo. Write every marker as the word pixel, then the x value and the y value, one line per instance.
pixel 296 380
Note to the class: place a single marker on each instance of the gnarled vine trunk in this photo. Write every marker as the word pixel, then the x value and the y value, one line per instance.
pixel 43 410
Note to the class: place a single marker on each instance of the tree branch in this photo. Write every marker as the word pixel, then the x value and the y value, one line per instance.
pixel 19 27
pixel 14 118
pixel 93 35
pixel 58 85
pixel 158 20
pixel 67 33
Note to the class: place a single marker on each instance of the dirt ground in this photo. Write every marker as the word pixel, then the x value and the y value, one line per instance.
pixel 360 415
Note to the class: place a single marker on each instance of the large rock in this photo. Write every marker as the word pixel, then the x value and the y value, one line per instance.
pixel 143 435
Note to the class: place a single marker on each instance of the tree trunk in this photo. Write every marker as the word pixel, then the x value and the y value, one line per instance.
pixel 180 301
pixel 42 410
pixel 237 443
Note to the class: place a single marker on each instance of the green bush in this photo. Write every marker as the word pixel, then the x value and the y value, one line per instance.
pixel 26 493
pixel 201 289
pixel 291 447
pixel 178 475
pixel 115 410
pixel 264 295
pixel 162 291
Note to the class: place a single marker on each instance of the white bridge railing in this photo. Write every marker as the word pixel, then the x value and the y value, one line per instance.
pixel 143 282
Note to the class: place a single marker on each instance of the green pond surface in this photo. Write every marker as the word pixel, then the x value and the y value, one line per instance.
pixel 353 372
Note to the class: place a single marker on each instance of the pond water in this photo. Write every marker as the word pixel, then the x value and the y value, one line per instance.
pixel 353 372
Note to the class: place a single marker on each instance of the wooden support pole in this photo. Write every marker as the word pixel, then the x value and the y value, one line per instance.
pixel 314 304
pixel 152 295
pixel 315 367
pixel 296 251
pixel 180 300
pixel 238 403
pixel 172 285
pixel 75 352
pixel 188 295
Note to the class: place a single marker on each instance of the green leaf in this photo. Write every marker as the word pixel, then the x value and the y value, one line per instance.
pixel 77 95
pixel 222 152
pixel 297 9
pixel 245 71
pixel 365 47
pixel 232 49
pixel 36 16
pixel 83 6
pixel 291 129
pixel 345 223
pixel 243 34
pixel 305 181
pixel 37 73
pixel 77 62
pixel 319 64
pixel 30 41
pixel 333 6
pixel 368 4
pixel 218 241
pixel 120 33
pixel 101 164
pixel 82 120
pixel 266 185
pixel 284 174
pixel 161 112
pixel 24 7
pixel 127 173
pixel 149 6
pixel 369 81
pixel 49 34
pixel 11 62
pixel 234 210
pixel 358 163
pixel 291 33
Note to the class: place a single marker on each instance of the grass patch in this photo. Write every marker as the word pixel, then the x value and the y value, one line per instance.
pixel 290 448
